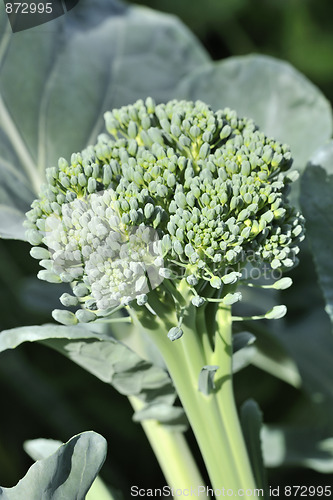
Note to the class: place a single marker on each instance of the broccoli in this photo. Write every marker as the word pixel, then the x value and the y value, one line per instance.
pixel 198 191
pixel 161 217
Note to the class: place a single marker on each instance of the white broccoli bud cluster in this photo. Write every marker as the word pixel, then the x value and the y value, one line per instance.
pixel 208 188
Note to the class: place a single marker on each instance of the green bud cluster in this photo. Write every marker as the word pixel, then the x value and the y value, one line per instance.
pixel 209 184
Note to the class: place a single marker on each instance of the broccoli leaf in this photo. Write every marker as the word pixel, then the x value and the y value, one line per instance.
pixel 242 351
pixel 59 78
pixel 241 340
pixel 266 351
pixel 67 473
pixel 39 449
pixel 317 206
pixel 251 421
pixel 105 357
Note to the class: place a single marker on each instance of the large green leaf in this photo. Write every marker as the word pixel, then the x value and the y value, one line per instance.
pixel 317 206
pixel 105 357
pixel 58 79
pixel 114 363
pixel 10 339
pixel 279 98
pixel 39 449
pixel 67 474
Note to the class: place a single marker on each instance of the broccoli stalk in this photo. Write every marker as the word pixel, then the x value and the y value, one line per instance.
pixel 162 220
pixel 212 414
pixel 172 452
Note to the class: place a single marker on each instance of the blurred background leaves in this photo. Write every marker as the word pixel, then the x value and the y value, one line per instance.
pixel 45 395
pixel 298 31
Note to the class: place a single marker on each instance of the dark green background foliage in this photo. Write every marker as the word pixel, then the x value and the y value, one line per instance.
pixel 299 31
pixel 45 395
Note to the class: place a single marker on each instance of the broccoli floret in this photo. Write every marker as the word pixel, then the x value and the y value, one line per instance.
pixel 176 192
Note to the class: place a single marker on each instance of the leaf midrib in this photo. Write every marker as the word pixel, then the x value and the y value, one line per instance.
pixel 9 127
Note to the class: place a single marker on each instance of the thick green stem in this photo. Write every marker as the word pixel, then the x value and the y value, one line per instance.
pixel 213 417
pixel 225 397
pixel 173 454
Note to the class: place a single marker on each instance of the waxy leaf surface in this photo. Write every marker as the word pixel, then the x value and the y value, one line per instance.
pixel 66 474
